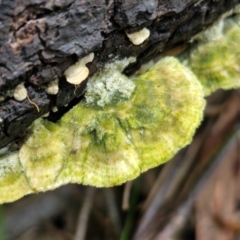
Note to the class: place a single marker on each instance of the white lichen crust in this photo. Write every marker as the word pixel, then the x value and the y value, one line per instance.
pixel 110 86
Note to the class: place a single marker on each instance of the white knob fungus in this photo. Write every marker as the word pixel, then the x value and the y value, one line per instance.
pixel 78 72
pixel 139 37
pixel 52 87
pixel 20 92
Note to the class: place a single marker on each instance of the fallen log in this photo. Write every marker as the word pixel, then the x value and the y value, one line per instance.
pixel 40 39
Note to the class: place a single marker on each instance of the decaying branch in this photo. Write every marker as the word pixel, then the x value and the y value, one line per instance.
pixel 40 39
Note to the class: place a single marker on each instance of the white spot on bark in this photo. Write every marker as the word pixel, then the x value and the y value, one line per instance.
pixel 139 37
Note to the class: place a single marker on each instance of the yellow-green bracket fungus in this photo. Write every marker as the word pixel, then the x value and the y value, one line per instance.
pixel 123 128
pixel 215 56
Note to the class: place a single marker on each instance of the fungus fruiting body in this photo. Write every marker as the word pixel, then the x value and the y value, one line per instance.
pixel 54 109
pixel 139 37
pixel 20 92
pixel 78 72
pixel 52 87
pixel 216 58
pixel 107 141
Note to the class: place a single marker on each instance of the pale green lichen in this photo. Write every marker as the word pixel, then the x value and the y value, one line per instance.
pixel 216 58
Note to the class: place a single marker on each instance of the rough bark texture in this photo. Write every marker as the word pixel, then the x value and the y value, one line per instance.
pixel 39 39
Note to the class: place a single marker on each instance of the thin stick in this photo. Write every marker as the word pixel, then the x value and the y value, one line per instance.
pixel 84 215
pixel 3 233
pixel 126 195
pixel 113 210
pixel 33 103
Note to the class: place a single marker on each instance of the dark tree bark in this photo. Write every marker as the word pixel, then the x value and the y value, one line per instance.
pixel 39 39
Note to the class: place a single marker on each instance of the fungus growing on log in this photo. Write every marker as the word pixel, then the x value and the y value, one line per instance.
pixel 139 37
pixel 124 126
pixel 216 58
pixel 52 88
pixel 20 93
pixel 78 72
pixel 107 146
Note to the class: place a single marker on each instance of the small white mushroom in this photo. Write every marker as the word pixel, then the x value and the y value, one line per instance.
pixel 139 37
pixel 55 109
pixel 52 87
pixel 20 92
pixel 78 72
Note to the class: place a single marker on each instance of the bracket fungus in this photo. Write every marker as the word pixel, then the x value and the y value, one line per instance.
pixel 216 58
pixel 154 116
pixel 139 37
pixel 78 72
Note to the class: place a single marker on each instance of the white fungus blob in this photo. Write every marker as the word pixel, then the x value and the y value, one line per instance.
pixel 55 109
pixel 78 72
pixel 139 37
pixel 20 92
pixel 52 87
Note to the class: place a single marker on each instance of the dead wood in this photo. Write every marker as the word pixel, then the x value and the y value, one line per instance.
pixel 39 39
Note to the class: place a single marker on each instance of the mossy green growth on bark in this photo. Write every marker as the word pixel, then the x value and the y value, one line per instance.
pixel 215 59
pixel 107 146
